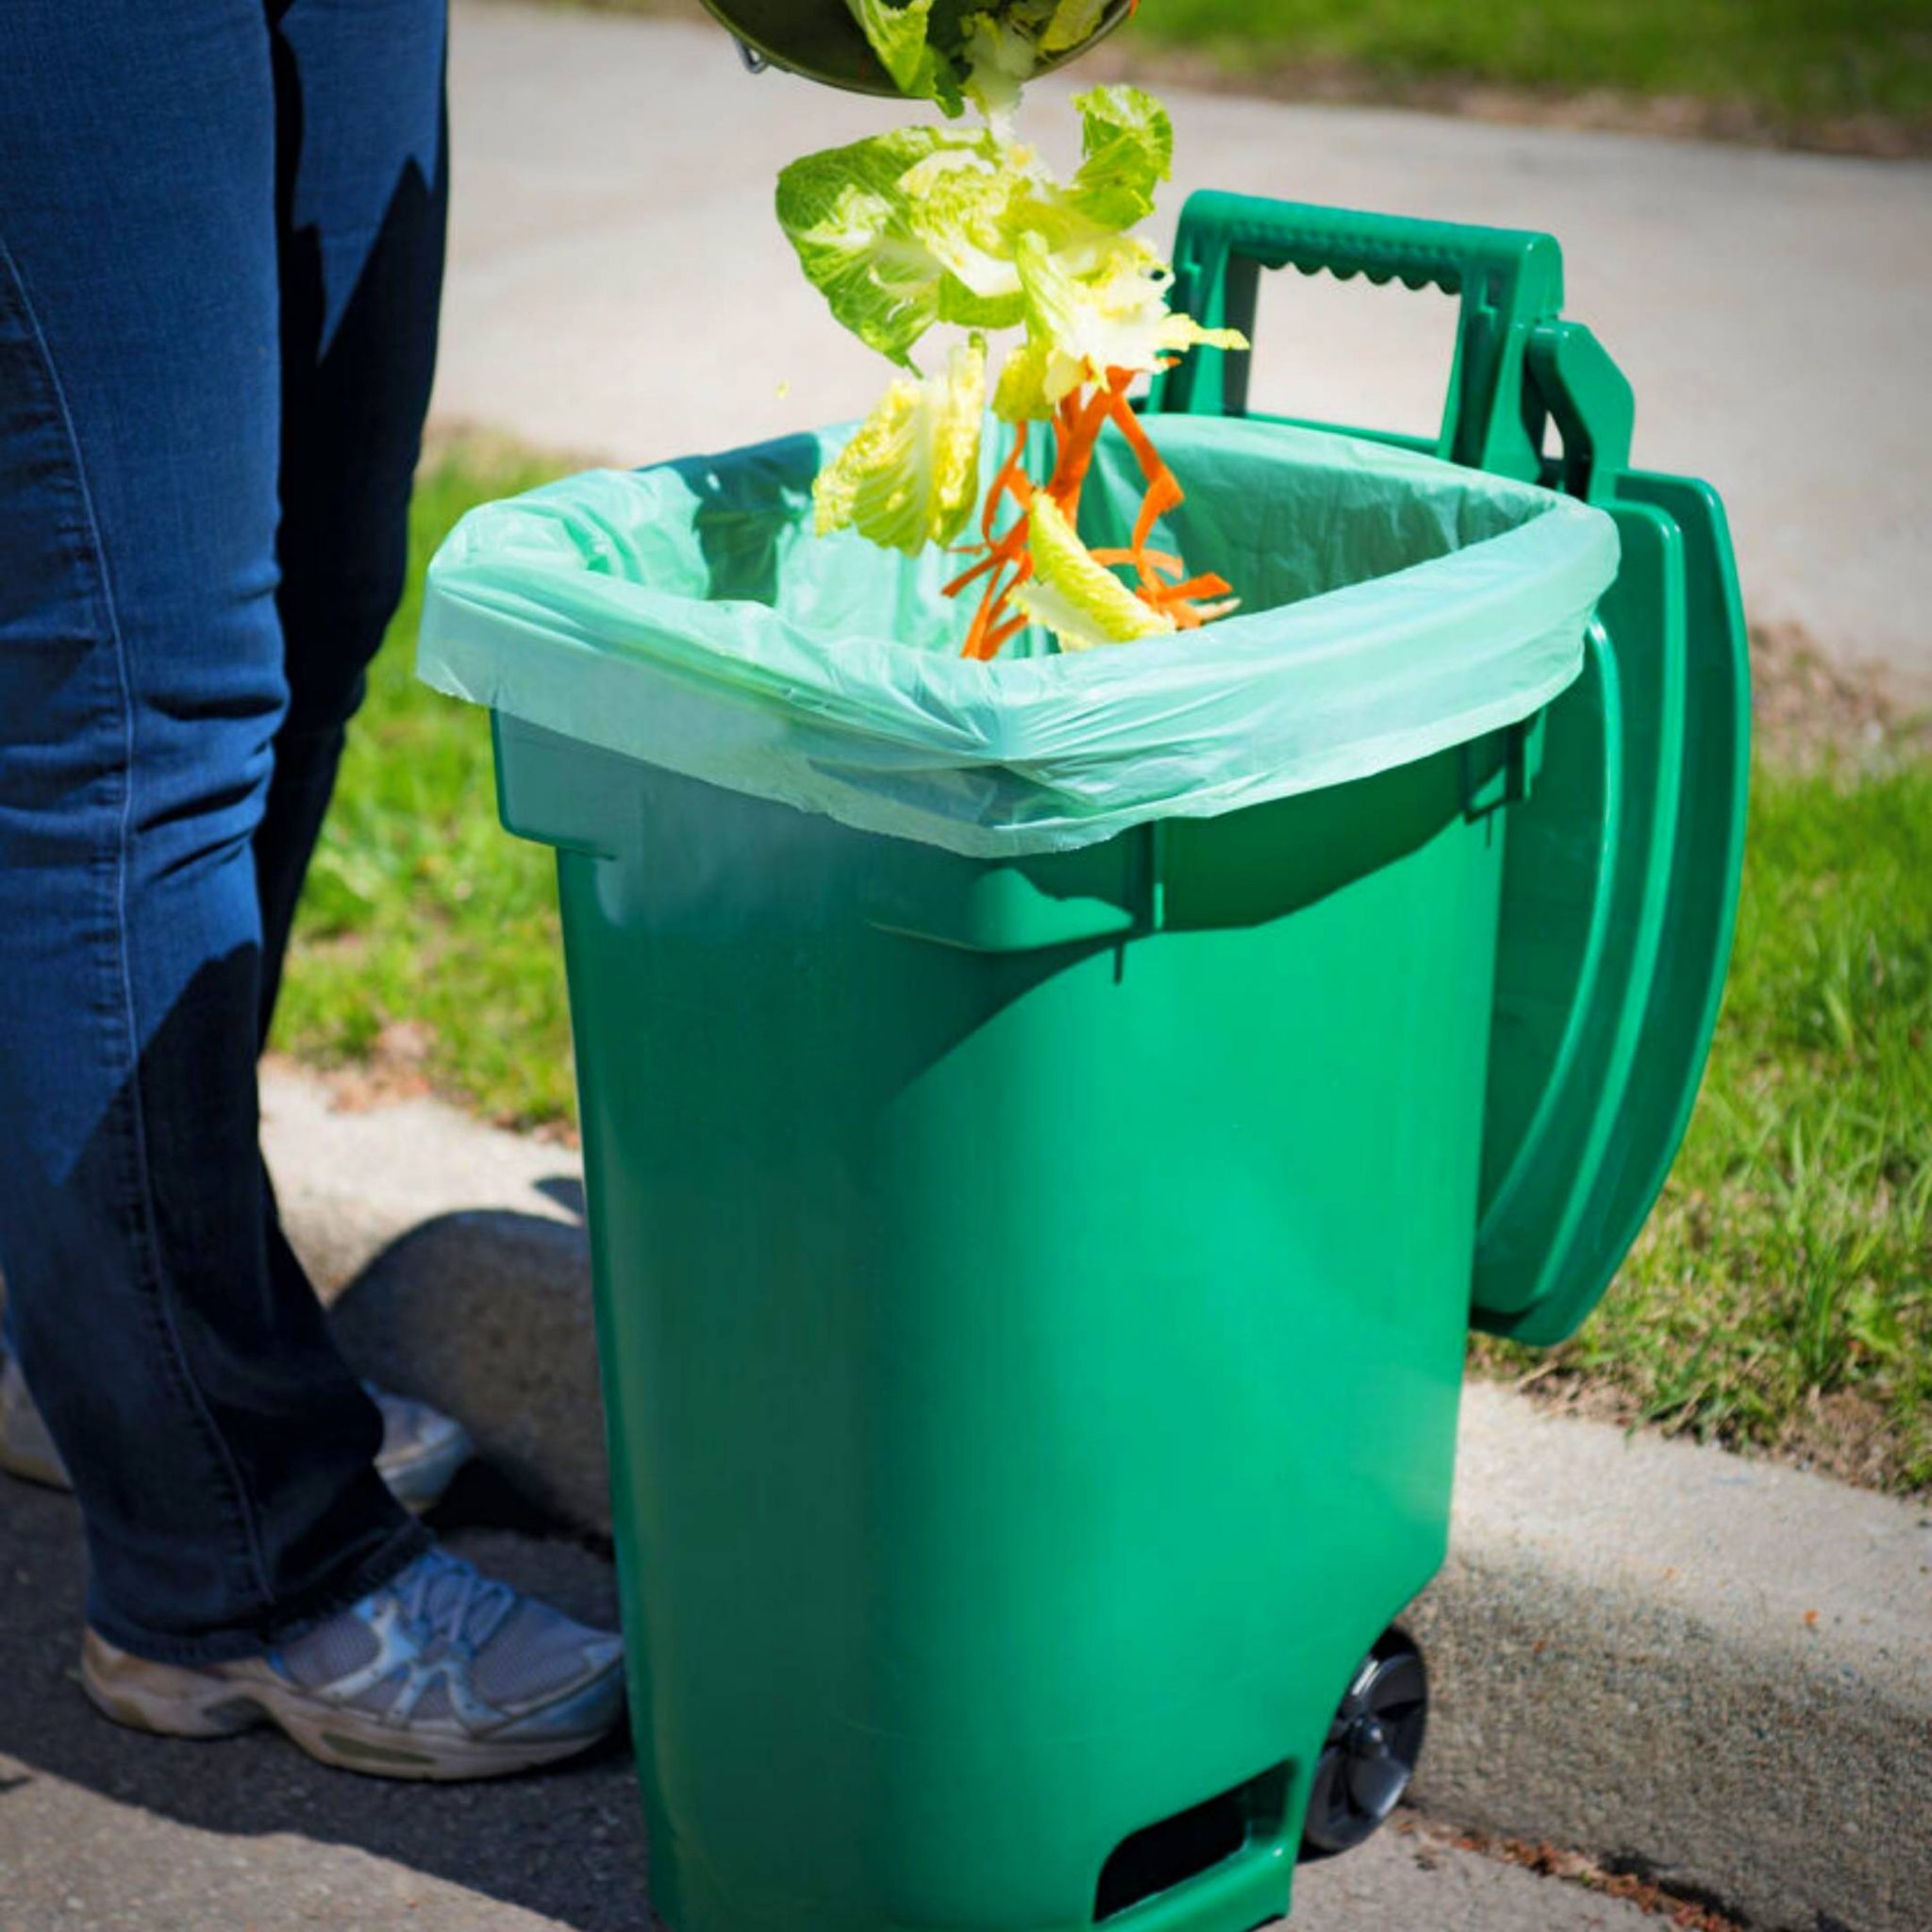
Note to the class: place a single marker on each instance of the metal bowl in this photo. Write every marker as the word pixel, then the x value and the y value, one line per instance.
pixel 820 40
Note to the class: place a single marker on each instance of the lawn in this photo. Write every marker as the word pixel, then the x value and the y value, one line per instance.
pixel 1793 61
pixel 1781 1297
pixel 1845 73
pixel 426 945
pixel 1782 1292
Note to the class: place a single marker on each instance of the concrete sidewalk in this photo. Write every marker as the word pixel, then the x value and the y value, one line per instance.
pixel 1719 1670
pixel 104 1831
pixel 618 287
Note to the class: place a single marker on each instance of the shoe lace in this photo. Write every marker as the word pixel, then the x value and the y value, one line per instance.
pixel 445 1599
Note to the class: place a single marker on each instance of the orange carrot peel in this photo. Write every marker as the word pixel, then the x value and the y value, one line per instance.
pixel 1005 562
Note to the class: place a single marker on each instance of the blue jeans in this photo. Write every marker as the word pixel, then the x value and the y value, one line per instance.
pixel 221 253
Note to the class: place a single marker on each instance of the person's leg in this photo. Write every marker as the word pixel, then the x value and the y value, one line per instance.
pixel 220 1448
pixel 360 183
pixel 361 196
pixel 362 203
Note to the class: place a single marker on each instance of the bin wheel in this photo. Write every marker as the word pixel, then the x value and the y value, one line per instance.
pixel 1373 1743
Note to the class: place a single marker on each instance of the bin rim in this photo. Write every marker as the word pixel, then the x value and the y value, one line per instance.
pixel 1031 754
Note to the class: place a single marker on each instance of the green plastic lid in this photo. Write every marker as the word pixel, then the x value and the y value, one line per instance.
pixel 1619 897
pixel 1621 881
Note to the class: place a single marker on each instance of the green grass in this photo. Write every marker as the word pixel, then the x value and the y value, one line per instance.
pixel 1786 68
pixel 1781 1297
pixel 1782 1293
pixel 425 928
pixel 1789 60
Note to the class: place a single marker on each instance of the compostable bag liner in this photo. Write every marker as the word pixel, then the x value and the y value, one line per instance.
pixel 686 615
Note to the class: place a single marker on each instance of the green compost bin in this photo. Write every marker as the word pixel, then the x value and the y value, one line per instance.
pixel 1034 1122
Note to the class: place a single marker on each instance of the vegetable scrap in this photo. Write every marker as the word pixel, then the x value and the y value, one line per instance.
pixel 941 226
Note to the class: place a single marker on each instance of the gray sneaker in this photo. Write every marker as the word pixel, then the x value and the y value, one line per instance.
pixel 422 1448
pixel 438 1675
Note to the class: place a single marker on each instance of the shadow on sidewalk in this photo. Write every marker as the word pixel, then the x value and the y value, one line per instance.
pixel 488 1313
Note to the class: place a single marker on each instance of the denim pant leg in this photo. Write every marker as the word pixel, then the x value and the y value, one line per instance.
pixel 219 1449
pixel 361 198
pixel 361 205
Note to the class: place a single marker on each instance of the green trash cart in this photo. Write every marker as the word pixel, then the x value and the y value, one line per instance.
pixel 1032 1291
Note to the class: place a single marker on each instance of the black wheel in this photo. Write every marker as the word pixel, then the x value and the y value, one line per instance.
pixel 1373 1743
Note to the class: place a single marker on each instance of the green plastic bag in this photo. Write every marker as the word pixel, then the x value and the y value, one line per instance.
pixel 686 615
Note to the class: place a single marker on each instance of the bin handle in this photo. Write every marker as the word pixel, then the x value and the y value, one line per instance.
pixel 1510 281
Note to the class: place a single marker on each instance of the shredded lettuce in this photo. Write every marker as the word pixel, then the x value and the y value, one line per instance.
pixel 959 202
pixel 899 32
pixel 997 56
pixel 1072 22
pixel 1114 317
pixel 1020 395
pixel 1074 596
pixel 1126 147
pixel 986 53
pixel 926 225
pixel 844 211
pixel 967 228
pixel 910 473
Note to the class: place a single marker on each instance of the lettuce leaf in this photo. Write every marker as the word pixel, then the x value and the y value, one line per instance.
pixel 900 35
pixel 1075 597
pixel 986 53
pixel 1115 317
pixel 1072 22
pixel 910 477
pixel 999 56
pixel 845 214
pixel 967 228
pixel 1020 395
pixel 1127 146
pixel 928 224
pixel 959 202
